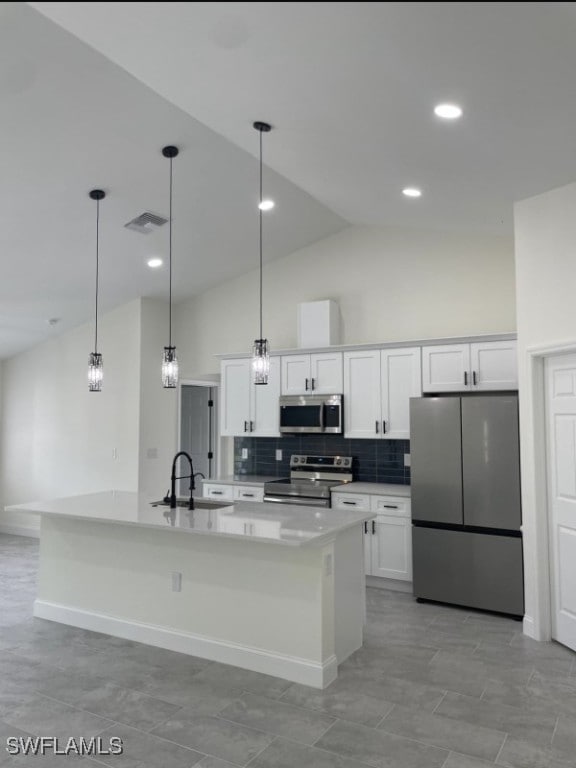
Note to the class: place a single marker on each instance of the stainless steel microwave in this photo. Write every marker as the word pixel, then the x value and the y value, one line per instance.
pixel 301 414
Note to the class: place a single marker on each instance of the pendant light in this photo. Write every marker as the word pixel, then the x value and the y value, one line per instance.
pixel 95 370
pixel 260 350
pixel 169 358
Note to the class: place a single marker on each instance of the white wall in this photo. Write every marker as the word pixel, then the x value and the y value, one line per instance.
pixel 545 236
pixel 158 406
pixel 391 284
pixel 57 438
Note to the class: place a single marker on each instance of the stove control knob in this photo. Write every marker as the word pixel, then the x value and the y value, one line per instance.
pixel 296 459
pixel 338 462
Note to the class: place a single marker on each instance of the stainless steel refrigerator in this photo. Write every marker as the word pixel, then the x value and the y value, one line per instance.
pixel 466 512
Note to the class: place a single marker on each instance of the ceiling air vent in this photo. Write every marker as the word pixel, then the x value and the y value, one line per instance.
pixel 145 223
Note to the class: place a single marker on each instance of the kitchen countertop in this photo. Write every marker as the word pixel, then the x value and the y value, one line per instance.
pixel 285 524
pixel 382 489
pixel 241 479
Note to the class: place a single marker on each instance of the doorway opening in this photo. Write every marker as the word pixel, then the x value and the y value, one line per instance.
pixel 198 428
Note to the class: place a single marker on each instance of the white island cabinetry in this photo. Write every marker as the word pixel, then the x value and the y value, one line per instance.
pixel 388 537
pixel 273 588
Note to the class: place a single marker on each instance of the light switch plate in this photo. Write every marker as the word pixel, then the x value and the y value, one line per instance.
pixel 406 459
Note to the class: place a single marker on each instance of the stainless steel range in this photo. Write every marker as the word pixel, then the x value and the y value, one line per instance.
pixel 310 481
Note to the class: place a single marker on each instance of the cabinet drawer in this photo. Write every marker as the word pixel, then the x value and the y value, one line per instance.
pixel 390 505
pixel 350 501
pixel 219 492
pixel 248 493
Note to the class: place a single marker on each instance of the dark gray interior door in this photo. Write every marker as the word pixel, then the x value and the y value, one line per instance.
pixel 491 461
pixel 197 425
pixel 436 459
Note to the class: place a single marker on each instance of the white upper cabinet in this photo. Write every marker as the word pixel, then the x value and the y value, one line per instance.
pixel 401 379
pixel 235 397
pixel 489 365
pixel 362 401
pixel 446 368
pixel 319 374
pixel 247 408
pixel 265 410
pixel 494 365
pixel 378 385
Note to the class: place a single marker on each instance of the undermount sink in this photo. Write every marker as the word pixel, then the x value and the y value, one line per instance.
pixel 198 503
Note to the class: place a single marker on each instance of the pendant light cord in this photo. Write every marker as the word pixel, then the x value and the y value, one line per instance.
pixel 97 271
pixel 170 257
pixel 260 226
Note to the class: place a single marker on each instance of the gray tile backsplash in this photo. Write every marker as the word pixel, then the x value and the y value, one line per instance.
pixel 375 461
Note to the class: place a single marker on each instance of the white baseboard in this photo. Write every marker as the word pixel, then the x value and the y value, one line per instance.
pixel 528 627
pixel 19 530
pixel 291 668
pixel 394 584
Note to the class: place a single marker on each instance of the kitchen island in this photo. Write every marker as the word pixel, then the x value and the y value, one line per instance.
pixel 272 588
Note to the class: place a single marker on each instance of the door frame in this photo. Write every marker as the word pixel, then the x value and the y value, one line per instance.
pixel 217 439
pixel 536 526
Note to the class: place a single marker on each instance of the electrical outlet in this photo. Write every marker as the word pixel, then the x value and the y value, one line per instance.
pixel 278 454
pixel 406 459
pixel 176 581
pixel 244 453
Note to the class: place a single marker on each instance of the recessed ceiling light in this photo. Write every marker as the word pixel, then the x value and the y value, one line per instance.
pixel 155 262
pixel 412 192
pixel 448 111
pixel 266 205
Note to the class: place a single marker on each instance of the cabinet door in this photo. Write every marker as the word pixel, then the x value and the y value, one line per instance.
pixel 494 365
pixel 326 373
pixel 392 548
pixel 296 374
pixel 401 379
pixel 235 412
pixel 265 408
pixel 446 368
pixel 362 401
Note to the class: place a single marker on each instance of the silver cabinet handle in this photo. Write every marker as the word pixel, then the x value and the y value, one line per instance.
pixel 474 378
pixel 383 427
pixel 373 527
pixel 465 378
pixel 313 384
pixel 306 385
pixel 377 426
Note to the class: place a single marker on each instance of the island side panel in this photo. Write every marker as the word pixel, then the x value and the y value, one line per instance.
pixel 349 592
pixel 265 607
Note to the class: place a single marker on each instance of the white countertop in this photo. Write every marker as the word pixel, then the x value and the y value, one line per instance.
pixel 240 480
pixel 381 489
pixel 285 524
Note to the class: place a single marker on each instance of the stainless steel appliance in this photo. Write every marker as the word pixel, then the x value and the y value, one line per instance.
pixel 301 414
pixel 466 513
pixel 310 481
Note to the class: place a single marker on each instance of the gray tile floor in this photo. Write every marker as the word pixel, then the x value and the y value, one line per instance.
pixel 433 687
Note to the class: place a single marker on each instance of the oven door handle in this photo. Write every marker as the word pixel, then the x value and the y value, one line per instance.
pixel 298 500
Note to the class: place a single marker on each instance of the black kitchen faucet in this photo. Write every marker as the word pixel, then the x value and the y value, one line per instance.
pixel 173 479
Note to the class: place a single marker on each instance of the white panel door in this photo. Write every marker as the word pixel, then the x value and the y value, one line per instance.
pixel 446 368
pixel 326 375
pixel 235 412
pixel 265 410
pixel 392 548
pixel 493 365
pixel 296 374
pixel 362 402
pixel 401 379
pixel 561 429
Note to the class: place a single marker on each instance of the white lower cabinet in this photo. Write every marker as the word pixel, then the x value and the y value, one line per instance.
pixel 387 538
pixel 226 492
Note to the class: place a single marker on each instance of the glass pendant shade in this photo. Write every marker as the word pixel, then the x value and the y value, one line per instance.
pixel 169 368
pixel 95 372
pixel 260 361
